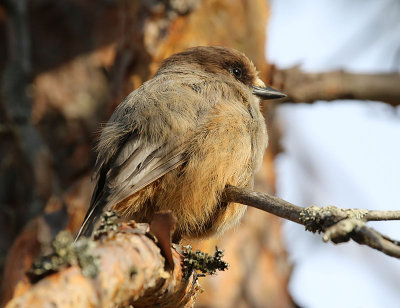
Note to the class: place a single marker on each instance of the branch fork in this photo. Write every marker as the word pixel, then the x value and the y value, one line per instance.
pixel 338 225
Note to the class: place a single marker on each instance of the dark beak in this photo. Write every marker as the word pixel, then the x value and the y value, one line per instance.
pixel 267 93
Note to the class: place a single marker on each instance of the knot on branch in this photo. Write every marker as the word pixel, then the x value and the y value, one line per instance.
pixel 200 261
pixel 317 219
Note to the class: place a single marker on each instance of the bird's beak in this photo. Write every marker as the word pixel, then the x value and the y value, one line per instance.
pixel 267 93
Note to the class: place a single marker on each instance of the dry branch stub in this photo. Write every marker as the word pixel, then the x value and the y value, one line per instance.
pixel 123 266
pixel 131 271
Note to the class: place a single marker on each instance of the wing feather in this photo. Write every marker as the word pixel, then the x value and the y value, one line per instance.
pixel 136 165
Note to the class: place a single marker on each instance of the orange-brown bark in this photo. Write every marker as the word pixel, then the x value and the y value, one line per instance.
pixel 132 272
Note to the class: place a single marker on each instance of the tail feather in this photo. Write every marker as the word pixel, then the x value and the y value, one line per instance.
pixel 91 220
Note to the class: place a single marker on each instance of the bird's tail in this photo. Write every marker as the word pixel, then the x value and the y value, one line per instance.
pixel 91 219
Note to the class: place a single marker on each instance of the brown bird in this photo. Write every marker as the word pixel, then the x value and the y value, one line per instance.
pixel 179 139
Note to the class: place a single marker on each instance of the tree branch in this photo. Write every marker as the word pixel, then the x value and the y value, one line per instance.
pixel 310 87
pixel 382 215
pixel 338 225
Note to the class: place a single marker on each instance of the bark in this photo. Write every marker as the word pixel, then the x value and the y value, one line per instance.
pixel 132 271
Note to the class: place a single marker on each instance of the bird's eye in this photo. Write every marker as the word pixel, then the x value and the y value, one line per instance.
pixel 237 72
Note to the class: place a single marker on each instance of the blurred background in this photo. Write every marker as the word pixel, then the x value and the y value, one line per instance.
pixel 65 66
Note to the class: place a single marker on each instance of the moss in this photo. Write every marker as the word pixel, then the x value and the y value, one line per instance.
pixel 203 262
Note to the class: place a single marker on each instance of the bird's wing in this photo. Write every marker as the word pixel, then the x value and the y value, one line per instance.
pixel 137 165
pixel 134 166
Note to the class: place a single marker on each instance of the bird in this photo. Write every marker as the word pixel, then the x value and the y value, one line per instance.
pixel 179 139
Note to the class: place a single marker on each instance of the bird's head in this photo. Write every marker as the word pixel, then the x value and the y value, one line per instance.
pixel 221 61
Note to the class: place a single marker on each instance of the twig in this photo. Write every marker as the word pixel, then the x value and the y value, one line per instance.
pixel 338 225
pixel 382 215
pixel 363 235
pixel 265 202
pixel 310 87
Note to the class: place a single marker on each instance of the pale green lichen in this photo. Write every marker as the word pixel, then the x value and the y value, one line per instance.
pixel 203 262
pixel 89 263
pixel 108 225
pixel 318 219
pixel 66 253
